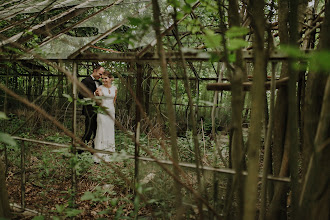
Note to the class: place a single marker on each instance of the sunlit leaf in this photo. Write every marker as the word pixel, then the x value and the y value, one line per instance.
pixel 190 1
pixel 7 139
pixel 87 196
pixel 3 115
pixel 236 43
pixel 237 32
pixel 187 9
pixel 179 15
pixel 68 97
pixel 232 57
pixel 211 39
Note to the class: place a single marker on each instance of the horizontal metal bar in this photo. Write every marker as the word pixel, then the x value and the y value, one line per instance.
pixel 173 56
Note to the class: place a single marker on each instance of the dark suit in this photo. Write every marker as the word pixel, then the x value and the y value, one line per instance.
pixel 88 111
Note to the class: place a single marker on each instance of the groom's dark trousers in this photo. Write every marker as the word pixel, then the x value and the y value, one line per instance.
pixel 88 111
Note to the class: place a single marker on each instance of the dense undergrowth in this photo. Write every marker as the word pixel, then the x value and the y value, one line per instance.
pixel 101 191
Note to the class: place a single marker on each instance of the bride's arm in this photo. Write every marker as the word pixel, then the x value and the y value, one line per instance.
pixel 98 92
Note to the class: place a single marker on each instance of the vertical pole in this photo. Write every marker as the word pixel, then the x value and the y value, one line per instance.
pixel 74 131
pixel 139 95
pixel 74 104
pixel 5 110
pixel 197 100
pixel 23 179
pixel 5 103
pixel 148 87
pixel 269 139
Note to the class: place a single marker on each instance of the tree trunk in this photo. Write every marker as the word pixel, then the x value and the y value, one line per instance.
pixel 315 197
pixel 238 76
pixel 277 209
pixel 4 201
pixel 168 97
pixel 257 109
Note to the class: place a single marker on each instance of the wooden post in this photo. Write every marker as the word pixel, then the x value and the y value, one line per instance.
pixel 23 179
pixel 5 110
pixel 139 101
pixel 147 92
pixel 74 131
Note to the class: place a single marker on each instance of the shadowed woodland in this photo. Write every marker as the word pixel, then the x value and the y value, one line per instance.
pixel 222 109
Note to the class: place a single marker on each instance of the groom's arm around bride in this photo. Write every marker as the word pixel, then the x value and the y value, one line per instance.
pixel 91 82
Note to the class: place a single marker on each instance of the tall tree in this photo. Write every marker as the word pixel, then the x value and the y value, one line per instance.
pixel 238 75
pixel 256 9
pixel 277 209
pixel 315 197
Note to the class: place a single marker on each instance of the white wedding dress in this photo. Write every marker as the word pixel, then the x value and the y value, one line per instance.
pixel 105 132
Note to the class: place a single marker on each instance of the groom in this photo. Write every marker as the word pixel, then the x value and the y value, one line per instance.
pixel 91 82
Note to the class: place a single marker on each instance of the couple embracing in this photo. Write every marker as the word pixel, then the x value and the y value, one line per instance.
pixel 100 125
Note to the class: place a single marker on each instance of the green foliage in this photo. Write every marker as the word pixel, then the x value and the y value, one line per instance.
pixel 318 60
pixel 83 32
pixel 210 6
pixel 100 195
pixel 236 32
pixel 211 39
pixel 128 35
pixel 65 212
pixel 3 116
pixel 142 23
pixel 58 138
pixel 6 138
pixel 70 99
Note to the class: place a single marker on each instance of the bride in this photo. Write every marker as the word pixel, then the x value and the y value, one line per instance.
pixel 105 132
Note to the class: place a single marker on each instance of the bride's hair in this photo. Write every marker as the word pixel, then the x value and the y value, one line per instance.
pixel 108 74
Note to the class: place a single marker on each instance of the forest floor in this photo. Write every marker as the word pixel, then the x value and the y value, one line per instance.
pixel 100 193
pixel 103 191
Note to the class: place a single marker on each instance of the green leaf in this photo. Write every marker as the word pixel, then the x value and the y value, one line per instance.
pixel 3 115
pixel 68 97
pixel 190 2
pixel 174 3
pixel 103 212
pixel 236 32
pixel 292 51
pixel 179 15
pixel 320 61
pixel 113 202
pixel 73 212
pixel 187 9
pixel 236 43
pixel 88 196
pixel 59 208
pixel 211 39
pixel 7 139
pixel 134 21
pixel 232 57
